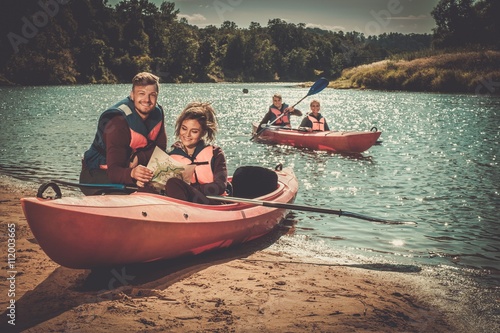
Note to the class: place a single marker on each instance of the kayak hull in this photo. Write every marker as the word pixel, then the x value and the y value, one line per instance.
pixel 97 231
pixel 331 141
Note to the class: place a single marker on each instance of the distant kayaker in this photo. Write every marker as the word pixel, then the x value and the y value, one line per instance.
pixel 195 130
pixel 279 113
pixel 127 134
pixel 314 121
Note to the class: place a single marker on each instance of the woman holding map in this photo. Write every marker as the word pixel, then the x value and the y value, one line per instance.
pixel 195 131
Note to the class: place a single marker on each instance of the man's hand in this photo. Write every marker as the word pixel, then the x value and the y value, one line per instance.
pixel 142 175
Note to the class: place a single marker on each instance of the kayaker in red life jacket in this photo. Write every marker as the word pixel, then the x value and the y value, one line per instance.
pixel 195 130
pixel 127 134
pixel 279 113
pixel 314 121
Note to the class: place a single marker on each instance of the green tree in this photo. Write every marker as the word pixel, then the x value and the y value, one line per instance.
pixel 297 68
pixel 132 14
pixel 322 56
pixel 488 12
pixel 92 58
pixel 281 35
pixel 207 70
pixel 182 52
pixel 45 60
pixel 157 25
pixel 234 59
pixel 456 23
pixel 89 41
pixel 261 56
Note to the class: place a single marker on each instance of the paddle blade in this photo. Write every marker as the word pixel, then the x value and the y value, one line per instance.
pixel 318 86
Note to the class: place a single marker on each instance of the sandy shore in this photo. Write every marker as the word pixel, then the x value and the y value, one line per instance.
pixel 248 289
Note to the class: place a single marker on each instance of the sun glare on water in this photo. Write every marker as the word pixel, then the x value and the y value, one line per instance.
pixel 398 242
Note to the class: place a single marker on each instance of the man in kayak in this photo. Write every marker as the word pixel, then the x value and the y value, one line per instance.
pixel 314 121
pixel 127 134
pixel 279 113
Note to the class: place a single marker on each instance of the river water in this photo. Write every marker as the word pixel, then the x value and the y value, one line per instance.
pixel 436 165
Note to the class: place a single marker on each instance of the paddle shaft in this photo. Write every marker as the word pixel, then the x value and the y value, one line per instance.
pixel 302 208
pixel 117 187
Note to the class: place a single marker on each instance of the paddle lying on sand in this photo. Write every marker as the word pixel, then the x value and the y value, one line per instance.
pixel 318 86
pixel 255 202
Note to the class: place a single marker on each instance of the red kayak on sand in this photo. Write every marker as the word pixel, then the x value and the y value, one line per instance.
pixel 331 141
pixel 106 230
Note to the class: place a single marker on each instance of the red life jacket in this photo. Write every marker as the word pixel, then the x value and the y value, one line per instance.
pixel 283 121
pixel 317 125
pixel 203 173
pixel 141 132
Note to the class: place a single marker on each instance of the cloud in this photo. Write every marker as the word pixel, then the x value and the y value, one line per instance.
pixel 409 18
pixel 193 18
pixel 326 27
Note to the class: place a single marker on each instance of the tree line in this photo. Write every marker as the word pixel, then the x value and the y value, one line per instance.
pixel 90 41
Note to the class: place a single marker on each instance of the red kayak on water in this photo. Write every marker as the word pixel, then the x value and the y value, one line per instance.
pixel 331 141
pixel 106 230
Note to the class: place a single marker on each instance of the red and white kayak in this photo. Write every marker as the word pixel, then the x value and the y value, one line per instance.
pixel 331 141
pixel 106 230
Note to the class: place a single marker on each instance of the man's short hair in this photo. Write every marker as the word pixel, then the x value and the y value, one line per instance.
pixel 146 79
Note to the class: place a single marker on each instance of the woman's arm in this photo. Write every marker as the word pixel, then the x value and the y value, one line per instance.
pixel 327 128
pixel 306 123
pixel 220 175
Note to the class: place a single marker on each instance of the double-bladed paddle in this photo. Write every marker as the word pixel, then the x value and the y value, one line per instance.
pixel 283 205
pixel 255 202
pixel 318 86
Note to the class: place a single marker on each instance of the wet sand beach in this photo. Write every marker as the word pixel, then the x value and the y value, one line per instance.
pixel 252 288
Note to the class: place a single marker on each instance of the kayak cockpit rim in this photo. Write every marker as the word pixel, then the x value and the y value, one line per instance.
pixel 225 206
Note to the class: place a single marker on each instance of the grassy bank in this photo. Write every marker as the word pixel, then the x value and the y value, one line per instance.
pixel 461 72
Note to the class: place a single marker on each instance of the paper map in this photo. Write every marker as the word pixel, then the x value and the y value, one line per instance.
pixel 165 167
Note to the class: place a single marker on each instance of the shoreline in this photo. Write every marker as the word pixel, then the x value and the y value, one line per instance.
pixel 255 287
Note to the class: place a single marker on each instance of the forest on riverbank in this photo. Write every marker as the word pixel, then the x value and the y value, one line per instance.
pixel 52 42
pixel 457 72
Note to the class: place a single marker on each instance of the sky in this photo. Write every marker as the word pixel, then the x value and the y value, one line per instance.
pixel 370 17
